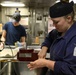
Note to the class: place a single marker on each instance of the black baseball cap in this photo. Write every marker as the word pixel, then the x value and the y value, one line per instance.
pixel 61 9
pixel 16 17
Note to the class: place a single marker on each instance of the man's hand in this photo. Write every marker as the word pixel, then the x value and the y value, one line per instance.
pixel 1 45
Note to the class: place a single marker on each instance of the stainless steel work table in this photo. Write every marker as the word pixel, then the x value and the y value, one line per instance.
pixel 8 60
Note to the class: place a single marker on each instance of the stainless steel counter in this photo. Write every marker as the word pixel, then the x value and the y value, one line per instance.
pixel 22 65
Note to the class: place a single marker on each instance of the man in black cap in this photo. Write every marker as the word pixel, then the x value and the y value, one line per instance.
pixel 12 32
pixel 63 47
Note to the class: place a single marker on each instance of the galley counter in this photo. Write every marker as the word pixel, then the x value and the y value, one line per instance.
pixel 10 55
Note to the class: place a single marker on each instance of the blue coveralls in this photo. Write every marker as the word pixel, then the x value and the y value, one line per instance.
pixel 62 50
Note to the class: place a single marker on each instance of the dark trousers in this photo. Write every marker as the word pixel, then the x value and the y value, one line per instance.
pixel 44 71
pixel 15 68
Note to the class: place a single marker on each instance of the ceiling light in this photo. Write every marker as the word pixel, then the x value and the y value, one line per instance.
pixel 12 4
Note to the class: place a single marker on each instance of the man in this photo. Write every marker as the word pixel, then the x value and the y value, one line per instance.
pixel 13 32
pixel 62 50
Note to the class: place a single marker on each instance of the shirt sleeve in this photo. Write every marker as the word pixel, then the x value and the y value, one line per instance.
pixel 23 33
pixel 5 27
pixel 49 38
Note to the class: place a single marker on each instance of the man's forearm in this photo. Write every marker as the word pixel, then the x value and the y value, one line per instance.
pixel 2 39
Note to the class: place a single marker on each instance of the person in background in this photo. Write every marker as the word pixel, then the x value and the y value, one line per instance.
pixel 12 32
pixel 63 49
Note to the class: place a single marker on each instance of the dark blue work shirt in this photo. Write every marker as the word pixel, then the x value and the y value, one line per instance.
pixel 13 33
pixel 62 50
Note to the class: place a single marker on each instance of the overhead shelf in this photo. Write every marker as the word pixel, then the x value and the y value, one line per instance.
pixel 21 15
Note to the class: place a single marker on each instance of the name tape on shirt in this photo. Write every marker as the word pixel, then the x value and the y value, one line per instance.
pixel 74 53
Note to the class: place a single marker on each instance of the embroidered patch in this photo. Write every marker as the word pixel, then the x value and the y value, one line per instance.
pixel 74 53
